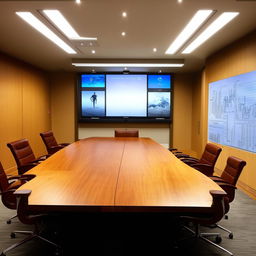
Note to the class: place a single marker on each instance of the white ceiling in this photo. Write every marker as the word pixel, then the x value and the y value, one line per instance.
pixel 149 24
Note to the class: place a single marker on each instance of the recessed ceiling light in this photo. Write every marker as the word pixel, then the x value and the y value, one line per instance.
pixel 93 51
pixel 123 33
pixel 214 27
pixel 168 65
pixel 196 21
pixel 60 21
pixel 154 49
pixel 180 1
pixel 39 26
pixel 124 14
pixel 78 1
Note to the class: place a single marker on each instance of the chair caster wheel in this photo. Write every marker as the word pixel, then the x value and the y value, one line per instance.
pixel 8 221
pixel 12 235
pixel 218 239
pixel 230 236
pixel 58 252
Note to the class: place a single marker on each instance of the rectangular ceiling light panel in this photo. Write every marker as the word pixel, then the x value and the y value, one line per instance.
pixel 63 25
pixel 213 28
pixel 43 29
pixel 173 65
pixel 198 19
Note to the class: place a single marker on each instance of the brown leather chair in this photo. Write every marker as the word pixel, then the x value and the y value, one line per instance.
pixel 232 171
pixel 8 186
pixel 126 133
pixel 207 161
pixel 220 206
pixel 50 142
pixel 228 181
pixel 24 156
pixel 26 217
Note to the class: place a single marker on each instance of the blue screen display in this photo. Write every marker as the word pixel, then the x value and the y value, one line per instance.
pixel 93 103
pixel 126 95
pixel 93 80
pixel 159 81
pixel 159 104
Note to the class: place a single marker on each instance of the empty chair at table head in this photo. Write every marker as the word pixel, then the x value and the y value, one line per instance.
pixel 126 133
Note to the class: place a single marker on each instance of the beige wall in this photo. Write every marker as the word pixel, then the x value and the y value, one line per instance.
pixel 25 107
pixel 238 58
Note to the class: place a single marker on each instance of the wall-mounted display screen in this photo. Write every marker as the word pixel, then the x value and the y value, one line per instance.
pixel 232 111
pixel 124 97
pixel 93 80
pixel 159 81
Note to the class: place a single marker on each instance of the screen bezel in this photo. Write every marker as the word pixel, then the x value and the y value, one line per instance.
pixel 123 119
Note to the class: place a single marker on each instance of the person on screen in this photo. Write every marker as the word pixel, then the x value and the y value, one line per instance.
pixel 94 99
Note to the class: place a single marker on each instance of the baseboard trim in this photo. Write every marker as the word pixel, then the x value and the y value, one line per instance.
pixel 251 192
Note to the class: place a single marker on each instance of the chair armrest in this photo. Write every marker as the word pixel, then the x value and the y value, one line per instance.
pixel 217 179
pixel 206 169
pixel 172 149
pixel 181 155
pixel 7 191
pixel 229 189
pixel 64 144
pixel 24 168
pixel 189 161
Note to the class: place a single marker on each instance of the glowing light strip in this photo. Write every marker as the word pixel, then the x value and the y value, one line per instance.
pixel 128 65
pixel 213 28
pixel 197 20
pixel 43 29
pixel 60 21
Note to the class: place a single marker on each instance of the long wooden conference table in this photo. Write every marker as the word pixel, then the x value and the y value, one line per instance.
pixel 118 174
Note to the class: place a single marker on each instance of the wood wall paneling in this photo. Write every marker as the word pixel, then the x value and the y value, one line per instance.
pixel 235 59
pixel 25 107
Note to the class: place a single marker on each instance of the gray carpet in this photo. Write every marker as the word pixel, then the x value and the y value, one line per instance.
pixel 242 221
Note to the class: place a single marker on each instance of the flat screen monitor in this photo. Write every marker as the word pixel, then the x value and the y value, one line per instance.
pixel 124 97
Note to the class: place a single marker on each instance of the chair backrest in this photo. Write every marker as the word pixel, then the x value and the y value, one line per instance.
pixel 3 179
pixel 7 196
pixel 22 152
pixel 233 170
pixel 210 154
pixel 126 133
pixel 49 140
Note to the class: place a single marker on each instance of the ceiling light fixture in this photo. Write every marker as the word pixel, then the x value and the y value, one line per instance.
pixel 43 29
pixel 78 1
pixel 148 65
pixel 60 21
pixel 123 33
pixel 214 27
pixel 154 49
pixel 197 20
pixel 124 14
pixel 93 51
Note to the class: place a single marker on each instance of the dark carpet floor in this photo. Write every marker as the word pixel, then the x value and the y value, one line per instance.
pixel 136 235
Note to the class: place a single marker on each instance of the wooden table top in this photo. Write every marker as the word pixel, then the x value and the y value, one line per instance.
pixel 118 174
